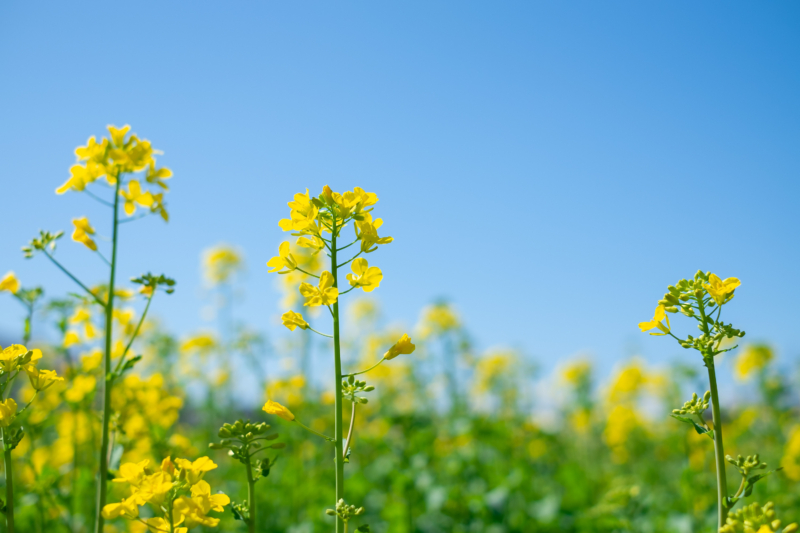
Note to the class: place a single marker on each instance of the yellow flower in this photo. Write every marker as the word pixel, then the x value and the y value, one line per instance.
pixel 303 216
pixel 82 231
pixel 751 360
pixel 81 176
pixel 195 509
pixel 203 343
pixel 153 488
pixel 160 525
pixel 294 320
pixel 9 283
pixel 8 409
pixel 284 259
pixel 126 508
pixel 12 357
pixel 367 231
pixel 82 315
pixel 134 195
pixel 719 289
pixel 403 346
pixel 364 276
pixel 577 372
pixel 274 408
pixel 71 338
pixel 313 242
pixel 659 315
pixel 158 175
pixel 194 471
pixel 132 473
pixel 324 294
pixel 41 379
pixel 221 262
pixel 81 386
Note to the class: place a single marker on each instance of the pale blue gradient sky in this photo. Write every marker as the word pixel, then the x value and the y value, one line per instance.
pixel 548 166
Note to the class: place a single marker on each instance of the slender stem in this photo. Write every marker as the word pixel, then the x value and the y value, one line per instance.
pixel 108 383
pixel 329 439
pixel 741 487
pixel 343 264
pixel 307 273
pixel 348 290
pixel 338 384
pixel 135 332
pixel 91 194
pixel 365 371
pixel 320 333
pixel 73 278
pixel 251 497
pixel 719 449
pixel 350 431
pixel 348 246
pixel 9 482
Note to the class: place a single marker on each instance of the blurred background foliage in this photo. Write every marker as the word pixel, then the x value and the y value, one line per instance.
pixel 451 441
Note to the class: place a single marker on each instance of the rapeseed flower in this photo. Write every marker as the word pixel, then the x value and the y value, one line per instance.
pixel 284 260
pixel 134 195
pixel 82 231
pixel 9 283
pixel 274 408
pixel 659 315
pixel 324 294
pixel 364 276
pixel 8 410
pixel 721 290
pixel 402 346
pixel 294 320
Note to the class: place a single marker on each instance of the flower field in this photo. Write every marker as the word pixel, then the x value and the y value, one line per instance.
pixel 112 423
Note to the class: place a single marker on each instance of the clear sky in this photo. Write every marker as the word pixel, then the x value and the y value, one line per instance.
pixel 550 167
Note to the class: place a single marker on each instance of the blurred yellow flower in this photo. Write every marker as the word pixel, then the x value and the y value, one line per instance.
pixel 719 289
pixel 364 276
pixel 577 372
pixel 284 260
pixel 134 195
pixel 81 387
pixel 294 320
pixel 659 315
pixel 9 283
pixel 41 379
pixel 82 315
pixel 221 262
pixel 753 359
pixel 82 231
pixel 324 294
pixel 8 409
pixel 402 346
pixel 157 175
pixel 274 408
pixel 437 319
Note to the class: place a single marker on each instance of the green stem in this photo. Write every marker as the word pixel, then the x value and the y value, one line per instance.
pixel 376 365
pixel 719 449
pixel 251 497
pixel 9 482
pixel 317 433
pixel 108 383
pixel 338 434
pixel 73 278
pixel 350 431
pixel 135 332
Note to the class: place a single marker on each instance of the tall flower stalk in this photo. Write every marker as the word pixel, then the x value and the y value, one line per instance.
pixel 115 159
pixel 319 222
pixel 702 299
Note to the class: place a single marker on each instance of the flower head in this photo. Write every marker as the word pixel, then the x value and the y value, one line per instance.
pixel 364 276
pixel 274 408
pixel 324 294
pixel 294 320
pixel 659 315
pixel 82 231
pixel 194 471
pixel 403 346
pixel 721 290
pixel 9 283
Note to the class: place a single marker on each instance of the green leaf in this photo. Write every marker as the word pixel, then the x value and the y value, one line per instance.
pixel 697 427
pixel 751 481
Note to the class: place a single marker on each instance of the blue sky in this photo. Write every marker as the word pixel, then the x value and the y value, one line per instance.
pixel 549 167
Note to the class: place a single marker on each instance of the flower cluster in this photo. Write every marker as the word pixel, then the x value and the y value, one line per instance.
pixel 111 158
pixel 175 491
